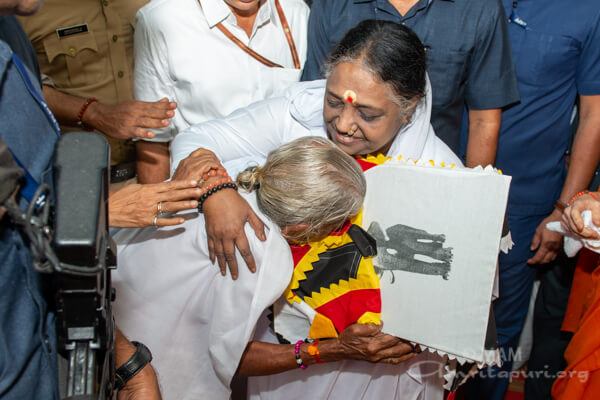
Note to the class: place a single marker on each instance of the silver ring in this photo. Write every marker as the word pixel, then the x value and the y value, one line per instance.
pixel 155 220
pixel 160 210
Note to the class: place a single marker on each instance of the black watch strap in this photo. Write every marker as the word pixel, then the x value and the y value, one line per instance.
pixel 131 367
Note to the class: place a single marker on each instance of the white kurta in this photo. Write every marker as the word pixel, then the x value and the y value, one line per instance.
pixel 180 54
pixel 196 322
pixel 264 126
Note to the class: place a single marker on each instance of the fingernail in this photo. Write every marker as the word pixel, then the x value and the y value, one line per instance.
pixel 170 113
pixel 233 276
pixel 165 122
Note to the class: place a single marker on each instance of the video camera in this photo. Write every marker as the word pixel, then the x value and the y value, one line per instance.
pixel 71 240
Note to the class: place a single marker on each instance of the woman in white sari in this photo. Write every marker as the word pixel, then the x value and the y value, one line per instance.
pixel 376 99
pixel 382 64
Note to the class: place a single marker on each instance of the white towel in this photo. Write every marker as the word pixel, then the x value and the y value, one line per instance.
pixel 574 243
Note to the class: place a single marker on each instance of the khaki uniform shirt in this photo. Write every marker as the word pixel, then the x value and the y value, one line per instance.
pixel 86 48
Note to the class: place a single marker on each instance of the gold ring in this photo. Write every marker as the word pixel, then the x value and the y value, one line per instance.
pixel 351 132
pixel 155 220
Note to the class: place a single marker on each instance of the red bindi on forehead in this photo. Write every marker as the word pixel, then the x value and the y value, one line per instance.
pixel 350 96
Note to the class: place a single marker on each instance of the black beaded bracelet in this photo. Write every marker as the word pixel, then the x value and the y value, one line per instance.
pixel 203 198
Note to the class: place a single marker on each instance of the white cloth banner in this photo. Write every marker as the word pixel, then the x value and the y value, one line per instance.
pixel 438 234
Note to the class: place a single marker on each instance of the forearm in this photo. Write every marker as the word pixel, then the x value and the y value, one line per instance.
pixel 152 161
pixel 585 154
pixel 142 385
pixel 66 108
pixel 262 358
pixel 482 144
pixel 124 349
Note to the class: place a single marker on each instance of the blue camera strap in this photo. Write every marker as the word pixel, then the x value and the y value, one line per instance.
pixel 31 184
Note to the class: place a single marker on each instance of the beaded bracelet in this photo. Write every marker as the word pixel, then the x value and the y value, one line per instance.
pixel 206 187
pixel 297 353
pixel 215 172
pixel 203 198
pixel 84 107
pixel 581 194
pixel 313 350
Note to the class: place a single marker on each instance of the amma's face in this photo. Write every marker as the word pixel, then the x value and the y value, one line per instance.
pixel 358 112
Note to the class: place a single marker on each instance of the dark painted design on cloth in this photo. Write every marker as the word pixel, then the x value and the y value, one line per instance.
pixel 405 242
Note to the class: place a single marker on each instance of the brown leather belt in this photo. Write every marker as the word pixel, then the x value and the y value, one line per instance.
pixel 122 172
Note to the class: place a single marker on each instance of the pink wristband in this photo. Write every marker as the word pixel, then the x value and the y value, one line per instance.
pixel 297 353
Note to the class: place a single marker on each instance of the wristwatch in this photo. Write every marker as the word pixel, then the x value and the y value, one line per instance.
pixel 135 364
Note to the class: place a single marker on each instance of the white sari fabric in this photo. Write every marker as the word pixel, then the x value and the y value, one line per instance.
pixel 264 126
pixel 196 322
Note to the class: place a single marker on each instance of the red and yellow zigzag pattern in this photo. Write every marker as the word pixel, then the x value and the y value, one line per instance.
pixel 347 301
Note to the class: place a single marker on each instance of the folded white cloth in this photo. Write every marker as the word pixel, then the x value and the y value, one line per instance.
pixel 574 243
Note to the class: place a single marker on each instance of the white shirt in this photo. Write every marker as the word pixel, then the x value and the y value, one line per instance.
pixel 196 322
pixel 264 126
pixel 181 54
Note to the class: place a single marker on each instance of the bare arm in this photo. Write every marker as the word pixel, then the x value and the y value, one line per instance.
pixel 484 126
pixel 152 161
pixel 130 119
pixel 144 384
pixel 359 342
pixel 585 157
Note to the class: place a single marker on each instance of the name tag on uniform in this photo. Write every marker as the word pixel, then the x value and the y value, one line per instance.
pixel 71 30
